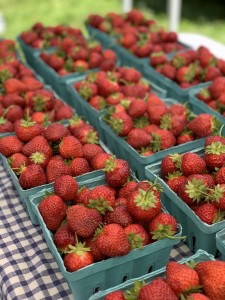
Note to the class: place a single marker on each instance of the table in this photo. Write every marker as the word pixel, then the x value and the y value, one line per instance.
pixel 27 268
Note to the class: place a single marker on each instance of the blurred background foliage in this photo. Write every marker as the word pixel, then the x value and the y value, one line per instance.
pixel 198 16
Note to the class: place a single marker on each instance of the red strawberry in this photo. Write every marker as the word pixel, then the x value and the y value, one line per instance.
pixel 162 139
pixel 78 258
pixel 66 187
pixel 16 161
pixel 127 189
pixel 137 108
pixel 39 158
pixel 138 138
pixel 98 161
pixel 108 86
pixel 38 143
pixel 25 130
pixel 101 198
pixel 129 74
pixel 117 172
pixel 211 274
pixel 137 236
pixel 114 99
pixel 181 278
pixel 98 102
pixel 158 58
pixel 83 220
pixel 162 226
pixel 220 176
pixel 53 211
pixel 86 134
pixel 13 113
pixel 5 125
pixel 217 88
pixel 175 180
pixel 32 84
pixel 55 132
pixel 121 123
pixel 214 155
pixel 204 95
pixel 203 125
pixel 197 296
pixel 192 163
pixel 170 164
pixel 31 176
pixel 80 166
pixel 113 241
pixel 155 113
pixel 117 295
pixel 208 213
pixel 158 289
pixel 42 100
pixel 70 147
pixel 63 238
pixel 64 112
pixel 55 169
pixel 90 150
pixel 87 90
pixel 173 123
pixel 10 145
pixel 185 137
pixel 13 85
pixel 168 71
pixel 74 123
pixel 82 195
pixel 119 215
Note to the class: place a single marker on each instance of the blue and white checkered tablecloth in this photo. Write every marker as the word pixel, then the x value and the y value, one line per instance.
pixel 27 268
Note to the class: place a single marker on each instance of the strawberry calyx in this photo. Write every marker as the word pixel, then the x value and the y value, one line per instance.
pixel 178 61
pixel 156 142
pixel 125 102
pixel 100 205
pixel 68 65
pixel 75 120
pixel 85 92
pixel 165 121
pixel 205 93
pixel 98 231
pixel 39 103
pixel 79 249
pixel 215 125
pixel 136 240
pixel 26 122
pixel 196 189
pixel 133 293
pixel 195 289
pixel 2 120
pixel 215 148
pixel 145 199
pixel 216 193
pixel 92 77
pixel 37 157
pixel 165 231
pixel 176 159
pixel 117 124
pixel 92 137
pixel 110 164
pixel 219 216
pixel 157 54
pixel 141 122
pixel 173 175
pixel 4 75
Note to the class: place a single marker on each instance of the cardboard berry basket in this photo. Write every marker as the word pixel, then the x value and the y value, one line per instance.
pixel 200 256
pixel 25 194
pixel 199 234
pixel 201 105
pixel 173 89
pixel 107 273
pixel 83 108
pixel 220 242
pixel 137 162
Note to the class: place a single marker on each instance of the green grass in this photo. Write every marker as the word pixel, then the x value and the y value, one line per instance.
pixel 203 17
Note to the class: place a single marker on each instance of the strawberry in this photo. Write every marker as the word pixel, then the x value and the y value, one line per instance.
pixel 138 138
pixel 70 147
pixel 117 172
pixel 170 164
pixel 63 237
pixel 13 113
pixel 127 189
pixel 181 278
pixel 5 125
pixel 168 71
pixel 220 176
pixel 117 295
pixel 55 132
pixel 74 123
pixel 197 296
pixel 82 195
pixel 137 108
pixel 94 250
pixel 98 102
pixel 114 99
pixel 155 113
pixel 174 123
pixel 101 198
pixel 208 213
pixel 158 58
pixel 175 180
pixel 98 161
pixel 13 85
pixel 162 139
pixel 80 166
pixel 38 143
pixel 17 160
pixel 87 90
pixel 86 134
pixel 192 163
pixel 83 220
pixel 150 128
pixel 113 241
pixel 211 73
pixel 217 88
pixel 217 196
pixel 158 289
pixel 66 187
pixel 215 155
pixel 211 274
pixel 185 137
pixel 25 130
pixel 42 100
pixel 64 112
pixel 162 226
pixel 31 176
pixel 55 169
pixel 204 95
pixel 137 236
pixel 129 74
pixel 108 86
pixel 10 145
pixel 53 211
pixel 207 179
pixel 78 257
pixel 32 84
pixel 40 159
pixel 90 150
pixel 119 215
pixel 203 125
pixel 121 123
pixel 144 205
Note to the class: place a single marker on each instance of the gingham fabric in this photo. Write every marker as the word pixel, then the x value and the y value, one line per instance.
pixel 27 268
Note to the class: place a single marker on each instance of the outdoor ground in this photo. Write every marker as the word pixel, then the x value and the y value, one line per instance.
pixel 198 16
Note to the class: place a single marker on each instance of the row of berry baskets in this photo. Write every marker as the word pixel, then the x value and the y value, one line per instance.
pixel 147 125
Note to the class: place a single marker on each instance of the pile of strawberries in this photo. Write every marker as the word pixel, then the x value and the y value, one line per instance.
pixel 190 67
pixel 79 55
pixel 7 51
pixel 106 220
pixel 214 95
pixel 137 34
pixel 40 36
pixel 39 155
pixel 199 180
pixel 191 281
pixel 24 95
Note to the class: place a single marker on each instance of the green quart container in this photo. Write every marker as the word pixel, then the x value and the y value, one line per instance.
pixel 111 272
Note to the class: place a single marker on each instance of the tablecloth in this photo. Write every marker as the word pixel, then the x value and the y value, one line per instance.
pixel 27 268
